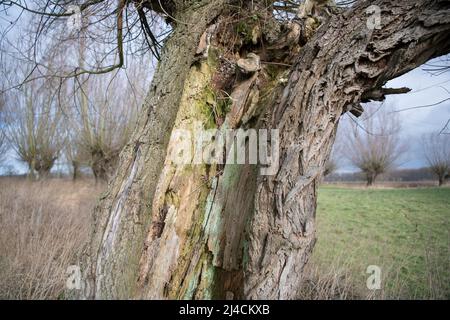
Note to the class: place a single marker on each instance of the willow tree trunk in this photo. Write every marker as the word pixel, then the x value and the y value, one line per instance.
pixel 225 231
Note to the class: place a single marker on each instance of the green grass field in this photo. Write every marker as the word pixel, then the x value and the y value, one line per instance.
pixel 406 232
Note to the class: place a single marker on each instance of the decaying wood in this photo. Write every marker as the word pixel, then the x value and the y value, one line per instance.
pixel 123 215
pixel 222 231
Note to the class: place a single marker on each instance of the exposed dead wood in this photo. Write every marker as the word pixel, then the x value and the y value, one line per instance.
pixel 225 232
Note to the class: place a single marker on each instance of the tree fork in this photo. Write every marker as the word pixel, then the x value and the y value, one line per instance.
pixel 212 239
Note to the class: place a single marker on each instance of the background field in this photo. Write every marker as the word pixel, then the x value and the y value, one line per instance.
pixel 404 231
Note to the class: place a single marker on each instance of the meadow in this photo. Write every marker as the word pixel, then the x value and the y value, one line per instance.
pixel 43 226
pixel 405 232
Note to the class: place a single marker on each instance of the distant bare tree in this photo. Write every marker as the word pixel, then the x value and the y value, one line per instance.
pixel 436 149
pixel 107 108
pixel 33 127
pixel 374 144
pixel 34 110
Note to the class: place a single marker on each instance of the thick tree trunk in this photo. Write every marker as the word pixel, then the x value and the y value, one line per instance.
pixel 212 231
pixel 103 166
pixel 124 213
pixel 74 170
pixel 370 177
pixel 441 181
pixel 43 174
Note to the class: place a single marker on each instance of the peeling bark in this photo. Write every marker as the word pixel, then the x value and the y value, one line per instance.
pixel 214 231
pixel 124 213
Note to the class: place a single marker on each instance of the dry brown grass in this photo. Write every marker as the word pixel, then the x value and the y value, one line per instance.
pixel 403 231
pixel 342 280
pixel 333 283
pixel 43 226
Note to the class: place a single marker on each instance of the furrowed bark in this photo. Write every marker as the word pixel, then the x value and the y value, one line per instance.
pixel 123 214
pixel 211 231
pixel 334 70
